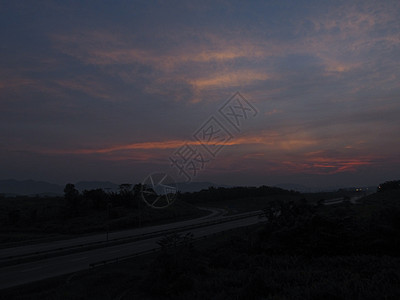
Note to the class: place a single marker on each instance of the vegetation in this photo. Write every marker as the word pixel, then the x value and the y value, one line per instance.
pixel 305 251
pixel 221 194
pixel 29 218
pixel 389 185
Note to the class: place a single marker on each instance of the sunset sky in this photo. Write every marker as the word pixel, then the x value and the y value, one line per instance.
pixel 113 90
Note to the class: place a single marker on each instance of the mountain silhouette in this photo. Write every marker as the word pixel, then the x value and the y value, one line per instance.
pixel 29 187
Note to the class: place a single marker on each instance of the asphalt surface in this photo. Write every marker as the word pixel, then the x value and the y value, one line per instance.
pixel 352 200
pixel 47 268
pixel 102 237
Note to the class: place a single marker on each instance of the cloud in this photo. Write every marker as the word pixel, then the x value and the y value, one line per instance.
pixel 92 86
pixel 267 141
pixel 195 66
pixel 123 83
pixel 213 59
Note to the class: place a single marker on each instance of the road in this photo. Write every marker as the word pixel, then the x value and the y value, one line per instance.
pixel 352 200
pixel 215 213
pixel 46 268
pixel 62 264
pixel 102 237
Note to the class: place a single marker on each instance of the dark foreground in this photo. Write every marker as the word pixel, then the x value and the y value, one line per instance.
pixel 343 251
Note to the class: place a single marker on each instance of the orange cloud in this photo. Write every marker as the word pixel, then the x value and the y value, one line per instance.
pixel 327 165
pixel 270 141
pixel 134 146
pixel 229 79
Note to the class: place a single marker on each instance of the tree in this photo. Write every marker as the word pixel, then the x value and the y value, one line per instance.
pixel 389 185
pixel 125 189
pixel 137 194
pixel 71 195
pixel 126 194
pixel 97 198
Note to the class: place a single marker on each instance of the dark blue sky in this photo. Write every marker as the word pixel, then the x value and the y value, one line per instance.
pixel 110 90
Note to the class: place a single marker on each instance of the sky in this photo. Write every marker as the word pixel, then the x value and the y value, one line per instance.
pixel 117 90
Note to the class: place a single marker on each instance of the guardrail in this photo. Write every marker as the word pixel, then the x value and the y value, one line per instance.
pixel 17 259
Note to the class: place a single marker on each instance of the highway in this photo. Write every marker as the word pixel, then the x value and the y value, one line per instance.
pixel 352 200
pixel 22 273
pixel 95 249
pixel 9 252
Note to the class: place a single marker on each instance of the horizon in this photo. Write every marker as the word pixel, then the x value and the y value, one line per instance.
pixel 258 94
pixel 95 184
pixel 272 184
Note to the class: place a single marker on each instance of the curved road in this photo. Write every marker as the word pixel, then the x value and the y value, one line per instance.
pixel 6 253
pixel 64 264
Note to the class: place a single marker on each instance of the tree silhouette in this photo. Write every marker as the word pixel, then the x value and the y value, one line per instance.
pixel 126 194
pixel 97 198
pixel 71 194
pixel 389 185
